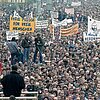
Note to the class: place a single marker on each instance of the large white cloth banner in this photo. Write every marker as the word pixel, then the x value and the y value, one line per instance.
pixel 65 22
pixel 42 24
pixel 76 4
pixel 93 33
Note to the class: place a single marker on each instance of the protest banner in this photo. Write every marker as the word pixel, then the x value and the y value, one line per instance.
pixel 93 33
pixel 69 10
pixel 90 37
pixel 64 22
pixel 69 31
pixel 10 35
pixel 20 25
pixel 54 14
pixel 76 4
pixel 41 24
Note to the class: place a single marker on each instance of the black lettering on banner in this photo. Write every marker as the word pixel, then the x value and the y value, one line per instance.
pixel 14 28
pixel 16 23
pixel 26 24
pixel 30 29
pixel 15 19
pixel 22 29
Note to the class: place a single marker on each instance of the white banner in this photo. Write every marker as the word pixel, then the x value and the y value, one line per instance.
pixel 42 24
pixel 93 30
pixel 69 10
pixel 10 35
pixel 90 38
pixel 76 4
pixel 54 14
pixel 65 22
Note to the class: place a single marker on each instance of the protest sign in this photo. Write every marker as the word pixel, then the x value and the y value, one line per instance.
pixel 69 10
pixel 60 23
pixel 10 35
pixel 90 37
pixel 41 24
pixel 20 25
pixel 93 33
pixel 54 14
pixel 76 4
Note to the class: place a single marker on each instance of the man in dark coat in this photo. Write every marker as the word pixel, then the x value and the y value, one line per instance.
pixel 26 43
pixel 12 83
pixel 39 46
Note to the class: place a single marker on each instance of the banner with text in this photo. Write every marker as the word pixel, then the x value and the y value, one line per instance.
pixel 69 31
pixel 42 24
pixel 20 25
pixel 10 35
pixel 93 33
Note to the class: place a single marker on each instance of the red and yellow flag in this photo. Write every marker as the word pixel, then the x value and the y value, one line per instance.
pixel 69 31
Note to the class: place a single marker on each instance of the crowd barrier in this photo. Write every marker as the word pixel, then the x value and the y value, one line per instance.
pixel 23 98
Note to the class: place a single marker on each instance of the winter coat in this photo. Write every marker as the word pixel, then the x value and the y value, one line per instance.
pixel 12 83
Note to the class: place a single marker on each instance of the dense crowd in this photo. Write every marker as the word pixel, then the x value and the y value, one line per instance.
pixel 70 68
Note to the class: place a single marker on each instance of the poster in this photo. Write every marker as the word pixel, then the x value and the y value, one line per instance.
pixel 10 35
pixel 69 10
pixel 42 24
pixel 76 4
pixel 93 33
pixel 20 25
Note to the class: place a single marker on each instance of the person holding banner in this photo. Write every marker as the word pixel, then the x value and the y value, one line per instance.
pixel 39 46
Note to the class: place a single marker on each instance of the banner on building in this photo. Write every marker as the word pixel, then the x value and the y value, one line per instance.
pixel 69 31
pixel 20 25
pixel 76 4
pixel 10 35
pixel 69 10
pixel 42 24
pixel 93 33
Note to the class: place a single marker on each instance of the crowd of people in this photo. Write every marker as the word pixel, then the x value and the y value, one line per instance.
pixel 69 67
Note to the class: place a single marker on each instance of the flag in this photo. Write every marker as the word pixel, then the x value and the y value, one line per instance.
pixel 69 31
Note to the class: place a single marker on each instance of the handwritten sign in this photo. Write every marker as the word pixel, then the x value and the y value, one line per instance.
pixel 20 25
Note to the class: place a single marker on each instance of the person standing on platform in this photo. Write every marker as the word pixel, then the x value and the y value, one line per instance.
pixel 39 44
pixel 13 48
pixel 26 43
